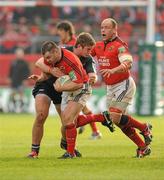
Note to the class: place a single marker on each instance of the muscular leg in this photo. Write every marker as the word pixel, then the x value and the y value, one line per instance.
pixel 129 131
pixel 42 104
pixel 69 116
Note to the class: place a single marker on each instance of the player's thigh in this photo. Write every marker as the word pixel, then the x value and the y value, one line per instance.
pixel 86 110
pixel 42 104
pixel 126 91
pixel 119 96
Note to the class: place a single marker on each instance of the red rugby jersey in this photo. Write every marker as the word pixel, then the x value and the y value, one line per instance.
pixel 71 65
pixel 72 42
pixel 108 57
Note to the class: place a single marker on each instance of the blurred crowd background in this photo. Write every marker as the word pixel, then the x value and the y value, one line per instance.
pixel 28 27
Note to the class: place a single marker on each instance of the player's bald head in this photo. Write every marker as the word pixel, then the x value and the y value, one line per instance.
pixel 110 21
pixel 108 29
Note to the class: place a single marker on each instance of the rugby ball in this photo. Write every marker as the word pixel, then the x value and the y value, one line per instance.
pixel 63 79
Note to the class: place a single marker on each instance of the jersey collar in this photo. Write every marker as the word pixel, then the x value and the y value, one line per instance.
pixel 110 40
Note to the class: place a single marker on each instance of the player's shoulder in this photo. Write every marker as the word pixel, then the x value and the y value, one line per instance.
pixel 69 56
pixel 99 43
pixel 119 42
pixel 70 48
pixel 66 52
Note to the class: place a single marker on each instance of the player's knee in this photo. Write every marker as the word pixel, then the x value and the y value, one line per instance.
pixel 66 118
pixel 41 117
pixel 115 115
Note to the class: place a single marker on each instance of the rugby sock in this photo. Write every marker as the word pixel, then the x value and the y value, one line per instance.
pixel 63 143
pixel 131 122
pixel 35 147
pixel 71 134
pixel 93 124
pixel 86 119
pixel 131 133
pixel 94 127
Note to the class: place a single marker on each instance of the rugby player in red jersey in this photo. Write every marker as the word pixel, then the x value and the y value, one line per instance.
pixel 69 64
pixel 66 32
pixel 115 61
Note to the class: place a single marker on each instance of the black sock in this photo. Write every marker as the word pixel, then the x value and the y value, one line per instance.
pixel 35 147
pixel 124 120
pixel 63 143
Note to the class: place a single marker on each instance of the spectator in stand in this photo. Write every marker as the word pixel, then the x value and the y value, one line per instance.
pixel 9 39
pixel 18 73
pixel 18 13
pixel 24 36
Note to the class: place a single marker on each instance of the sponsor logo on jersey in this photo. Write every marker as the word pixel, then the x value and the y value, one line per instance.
pixel 103 61
pixel 72 75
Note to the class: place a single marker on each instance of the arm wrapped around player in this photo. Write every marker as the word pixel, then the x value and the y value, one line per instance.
pixel 54 71
pixel 64 83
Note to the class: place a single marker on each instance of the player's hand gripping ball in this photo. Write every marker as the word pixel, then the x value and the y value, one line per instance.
pixel 61 81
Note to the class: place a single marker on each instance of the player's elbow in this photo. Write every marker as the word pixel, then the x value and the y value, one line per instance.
pixel 39 62
pixel 129 65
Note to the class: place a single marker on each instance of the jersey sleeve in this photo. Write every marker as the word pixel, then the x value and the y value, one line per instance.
pixel 90 65
pixel 124 54
pixel 75 73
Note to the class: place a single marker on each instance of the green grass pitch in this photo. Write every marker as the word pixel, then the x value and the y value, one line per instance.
pixel 110 158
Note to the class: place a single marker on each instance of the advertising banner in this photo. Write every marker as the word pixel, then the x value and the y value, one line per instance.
pixel 150 80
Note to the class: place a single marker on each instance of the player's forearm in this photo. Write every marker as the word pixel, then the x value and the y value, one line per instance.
pixel 123 67
pixel 43 77
pixel 71 86
pixel 40 64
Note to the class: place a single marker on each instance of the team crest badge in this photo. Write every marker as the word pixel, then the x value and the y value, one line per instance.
pixel 111 48
pixel 121 49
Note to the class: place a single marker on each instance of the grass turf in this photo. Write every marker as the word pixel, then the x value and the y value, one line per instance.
pixel 109 158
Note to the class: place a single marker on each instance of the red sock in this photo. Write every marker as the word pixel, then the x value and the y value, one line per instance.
pixel 136 124
pixel 92 124
pixel 71 134
pixel 94 127
pixel 86 119
pixel 131 133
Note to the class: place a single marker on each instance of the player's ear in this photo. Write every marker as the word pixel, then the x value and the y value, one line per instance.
pixel 79 46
